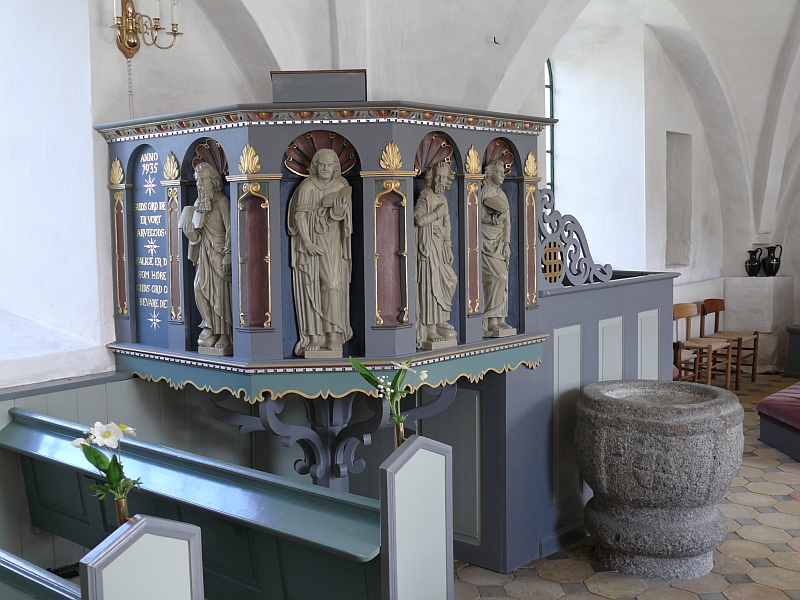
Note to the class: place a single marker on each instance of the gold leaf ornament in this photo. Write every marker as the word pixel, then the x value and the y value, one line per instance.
pixel 116 175
pixel 249 163
pixel 171 170
pixel 473 161
pixel 390 158
pixel 531 168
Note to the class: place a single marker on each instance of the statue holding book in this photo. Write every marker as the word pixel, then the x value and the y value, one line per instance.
pixel 320 223
pixel 496 252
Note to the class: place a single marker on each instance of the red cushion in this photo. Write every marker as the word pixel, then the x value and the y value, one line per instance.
pixel 783 406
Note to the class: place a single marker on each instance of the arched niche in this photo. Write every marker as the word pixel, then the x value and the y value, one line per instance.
pixel 294 170
pixel 503 150
pixel 150 248
pixel 434 148
pixel 209 150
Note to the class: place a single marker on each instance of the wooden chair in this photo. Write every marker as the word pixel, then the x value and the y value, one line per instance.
pixel 738 339
pixel 686 361
pixel 714 354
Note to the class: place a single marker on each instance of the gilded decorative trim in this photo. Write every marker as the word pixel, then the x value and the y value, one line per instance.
pixel 389 186
pixel 390 158
pixel 175 313
pixel 531 295
pixel 116 175
pixel 249 163
pixel 121 186
pixel 365 174
pixel 252 188
pixel 237 178
pixel 122 306
pixel 171 169
pixel 531 168
pixel 268 116
pixel 174 182
pixel 473 162
pixel 473 201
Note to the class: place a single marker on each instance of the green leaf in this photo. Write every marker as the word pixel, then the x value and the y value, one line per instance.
pixel 365 373
pixel 96 457
pixel 114 474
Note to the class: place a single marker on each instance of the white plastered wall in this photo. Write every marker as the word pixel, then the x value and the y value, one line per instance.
pixel 56 251
pixel 599 144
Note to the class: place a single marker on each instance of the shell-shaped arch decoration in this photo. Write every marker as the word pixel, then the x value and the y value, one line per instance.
pixel 433 149
pixel 390 157
pixel 498 150
pixel 531 168
pixel 302 150
pixel 171 168
pixel 116 175
pixel 211 152
pixel 249 163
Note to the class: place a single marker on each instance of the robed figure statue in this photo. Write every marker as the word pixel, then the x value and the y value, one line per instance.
pixel 436 279
pixel 207 225
pixel 320 223
pixel 495 252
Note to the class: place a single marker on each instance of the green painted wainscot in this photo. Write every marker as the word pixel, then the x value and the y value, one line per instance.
pixel 264 537
pixel 20 580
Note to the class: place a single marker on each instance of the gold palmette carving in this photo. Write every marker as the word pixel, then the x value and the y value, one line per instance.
pixel 252 189
pixel 116 174
pixel 249 163
pixel 389 186
pixel 122 307
pixel 171 169
pixel 390 158
pixel 531 168
pixel 473 162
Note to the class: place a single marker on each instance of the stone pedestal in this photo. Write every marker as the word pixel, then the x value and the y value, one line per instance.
pixel 764 304
pixel 658 455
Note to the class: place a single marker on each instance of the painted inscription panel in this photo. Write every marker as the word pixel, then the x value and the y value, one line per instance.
pixel 150 229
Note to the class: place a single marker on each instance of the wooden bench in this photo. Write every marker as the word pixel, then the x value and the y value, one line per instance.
pixel 264 537
pixel 20 580
pixel 780 420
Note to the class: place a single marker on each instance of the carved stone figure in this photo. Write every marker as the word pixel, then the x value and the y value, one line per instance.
pixel 320 223
pixel 207 225
pixel 436 280
pixel 495 252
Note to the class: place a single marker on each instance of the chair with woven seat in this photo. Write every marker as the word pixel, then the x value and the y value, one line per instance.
pixel 738 339
pixel 686 361
pixel 714 354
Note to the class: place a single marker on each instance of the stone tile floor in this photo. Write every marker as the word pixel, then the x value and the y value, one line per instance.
pixel 759 560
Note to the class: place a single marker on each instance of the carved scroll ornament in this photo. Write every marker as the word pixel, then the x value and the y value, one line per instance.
pixel 566 231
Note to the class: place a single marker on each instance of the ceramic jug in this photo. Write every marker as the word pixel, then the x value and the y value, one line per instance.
pixel 771 262
pixel 753 264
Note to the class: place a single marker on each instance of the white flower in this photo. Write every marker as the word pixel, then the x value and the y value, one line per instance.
pixel 423 375
pixel 403 367
pixel 107 435
pixel 78 442
pixel 127 430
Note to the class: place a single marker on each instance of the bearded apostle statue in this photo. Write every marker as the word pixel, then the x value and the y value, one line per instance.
pixel 495 252
pixel 320 223
pixel 436 279
pixel 207 225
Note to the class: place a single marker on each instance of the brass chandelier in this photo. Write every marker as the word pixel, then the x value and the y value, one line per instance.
pixel 134 28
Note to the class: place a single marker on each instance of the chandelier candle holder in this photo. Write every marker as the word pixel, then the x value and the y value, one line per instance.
pixel 134 28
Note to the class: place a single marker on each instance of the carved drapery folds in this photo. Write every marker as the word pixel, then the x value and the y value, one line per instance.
pixel 563 234
pixel 391 255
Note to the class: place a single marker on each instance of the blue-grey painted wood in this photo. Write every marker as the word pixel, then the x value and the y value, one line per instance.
pixel 20 579
pixel 341 524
